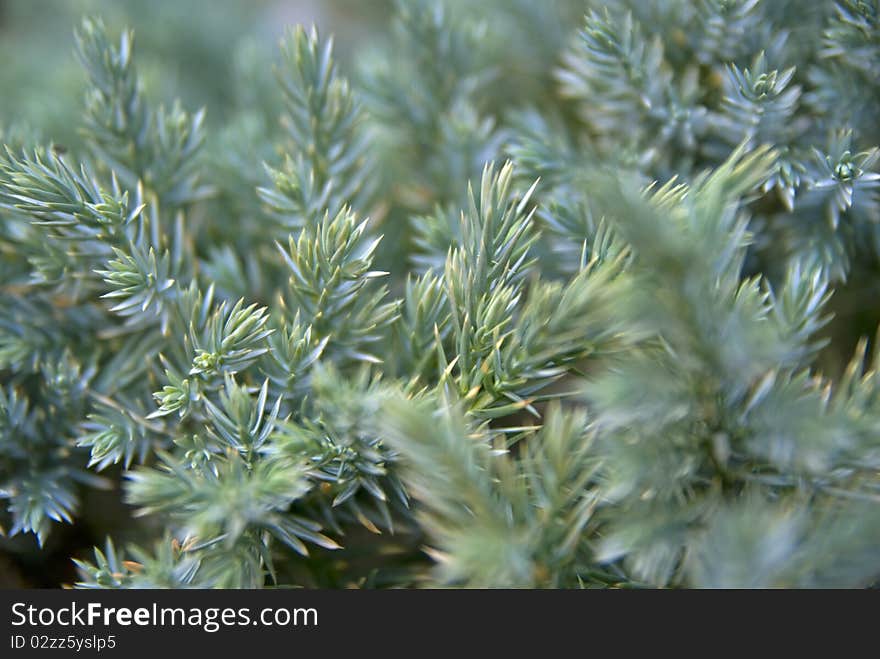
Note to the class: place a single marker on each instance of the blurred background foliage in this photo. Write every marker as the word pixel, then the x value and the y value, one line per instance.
pixel 198 50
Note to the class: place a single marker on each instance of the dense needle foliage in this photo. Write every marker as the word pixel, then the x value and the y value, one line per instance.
pixel 517 294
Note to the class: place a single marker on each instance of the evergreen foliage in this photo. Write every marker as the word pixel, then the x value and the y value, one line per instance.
pixel 554 294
